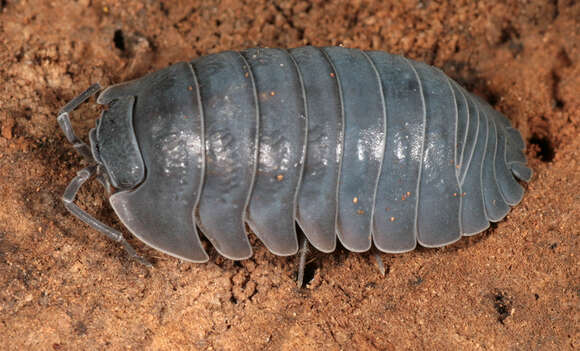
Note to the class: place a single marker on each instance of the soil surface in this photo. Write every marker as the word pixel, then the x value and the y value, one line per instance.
pixel 63 286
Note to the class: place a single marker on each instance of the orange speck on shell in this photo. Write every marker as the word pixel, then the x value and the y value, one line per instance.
pixel 280 177
pixel 360 212
pixel 392 219
pixel 355 200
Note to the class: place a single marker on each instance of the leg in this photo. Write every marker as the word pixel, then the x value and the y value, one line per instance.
pixel 103 178
pixel 64 121
pixel 302 264
pixel 379 260
pixel 69 197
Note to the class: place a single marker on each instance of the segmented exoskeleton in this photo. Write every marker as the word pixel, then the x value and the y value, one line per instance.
pixel 368 147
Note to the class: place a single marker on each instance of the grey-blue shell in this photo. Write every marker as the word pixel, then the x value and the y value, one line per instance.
pixel 368 147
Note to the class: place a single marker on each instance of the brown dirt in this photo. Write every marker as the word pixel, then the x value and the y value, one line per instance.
pixel 64 287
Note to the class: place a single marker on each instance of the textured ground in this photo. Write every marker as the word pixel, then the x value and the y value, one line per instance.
pixel 64 287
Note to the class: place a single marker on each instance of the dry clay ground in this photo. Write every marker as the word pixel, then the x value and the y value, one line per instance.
pixel 64 287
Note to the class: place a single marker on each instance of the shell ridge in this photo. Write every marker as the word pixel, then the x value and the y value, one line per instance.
pixel 256 140
pixel 465 164
pixel 474 215
pixel 418 190
pixel 305 137
pixel 384 142
pixel 202 141
pixel 455 151
pixel 494 204
pixel 341 141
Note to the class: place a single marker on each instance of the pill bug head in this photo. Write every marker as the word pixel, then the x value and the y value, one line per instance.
pixel 113 153
pixel 114 144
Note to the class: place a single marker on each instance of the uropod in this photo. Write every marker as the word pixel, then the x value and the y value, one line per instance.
pixel 364 146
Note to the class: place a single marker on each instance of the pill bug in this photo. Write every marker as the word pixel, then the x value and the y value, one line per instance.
pixel 363 146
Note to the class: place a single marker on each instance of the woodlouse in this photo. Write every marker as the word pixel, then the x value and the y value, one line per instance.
pixel 368 147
